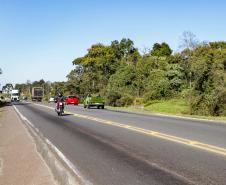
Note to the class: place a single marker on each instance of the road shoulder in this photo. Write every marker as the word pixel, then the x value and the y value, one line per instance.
pixel 20 163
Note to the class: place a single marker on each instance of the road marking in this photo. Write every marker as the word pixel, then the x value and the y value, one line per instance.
pixel 187 142
pixel 54 148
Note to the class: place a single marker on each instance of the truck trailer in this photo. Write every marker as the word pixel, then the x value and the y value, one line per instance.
pixel 37 93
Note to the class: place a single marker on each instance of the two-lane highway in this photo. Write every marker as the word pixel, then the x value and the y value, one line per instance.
pixel 109 147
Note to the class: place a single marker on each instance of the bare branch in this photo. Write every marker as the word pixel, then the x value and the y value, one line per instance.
pixel 189 40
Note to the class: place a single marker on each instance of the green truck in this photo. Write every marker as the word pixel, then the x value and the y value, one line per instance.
pixel 94 101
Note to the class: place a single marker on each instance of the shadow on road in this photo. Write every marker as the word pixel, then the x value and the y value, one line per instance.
pixel 67 114
pixel 5 104
pixel 20 103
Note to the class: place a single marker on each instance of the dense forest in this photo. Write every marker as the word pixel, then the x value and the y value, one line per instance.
pixel 126 76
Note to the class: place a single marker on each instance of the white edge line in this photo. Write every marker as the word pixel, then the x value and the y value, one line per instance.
pixel 64 158
pixel 1 167
pixel 59 153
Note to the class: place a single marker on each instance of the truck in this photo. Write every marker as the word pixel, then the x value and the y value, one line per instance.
pixel 94 101
pixel 37 93
pixel 15 95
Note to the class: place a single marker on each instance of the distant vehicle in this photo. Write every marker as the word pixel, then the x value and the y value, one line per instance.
pixel 72 100
pixel 15 95
pixel 94 101
pixel 2 100
pixel 37 93
pixel 51 99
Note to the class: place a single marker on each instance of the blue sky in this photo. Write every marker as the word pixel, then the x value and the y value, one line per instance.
pixel 40 38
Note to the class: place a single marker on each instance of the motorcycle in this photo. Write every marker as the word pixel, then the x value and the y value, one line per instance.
pixel 60 108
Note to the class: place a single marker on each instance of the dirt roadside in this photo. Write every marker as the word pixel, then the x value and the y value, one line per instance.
pixel 20 163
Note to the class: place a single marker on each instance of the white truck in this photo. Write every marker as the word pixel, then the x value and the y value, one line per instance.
pixel 15 95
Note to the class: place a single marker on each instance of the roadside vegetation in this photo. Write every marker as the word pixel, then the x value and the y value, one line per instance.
pixel 192 81
pixel 171 106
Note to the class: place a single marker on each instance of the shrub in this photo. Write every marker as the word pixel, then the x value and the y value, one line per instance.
pixel 112 97
pixel 138 101
pixel 158 89
pixel 125 100
pixel 208 95
pixel 185 93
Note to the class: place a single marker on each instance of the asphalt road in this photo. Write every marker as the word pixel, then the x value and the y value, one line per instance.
pixel 118 148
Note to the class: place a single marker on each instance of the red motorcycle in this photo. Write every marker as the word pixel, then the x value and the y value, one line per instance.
pixel 60 108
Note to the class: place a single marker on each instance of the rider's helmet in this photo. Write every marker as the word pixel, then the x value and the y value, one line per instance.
pixel 59 94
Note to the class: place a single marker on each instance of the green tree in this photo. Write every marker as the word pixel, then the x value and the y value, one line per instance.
pixel 121 74
pixel 125 84
pixel 7 87
pixel 93 71
pixel 161 50
pixel 157 85
pixel 39 83
pixel 58 87
pixel 176 76
pixel 208 96
pixel 125 50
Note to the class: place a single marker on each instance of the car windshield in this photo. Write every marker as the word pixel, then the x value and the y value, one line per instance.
pixel 15 94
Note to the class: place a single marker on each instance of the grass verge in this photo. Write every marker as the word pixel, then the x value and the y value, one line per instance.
pixel 174 107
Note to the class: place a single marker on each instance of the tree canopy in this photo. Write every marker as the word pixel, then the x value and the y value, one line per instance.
pixel 161 50
pixel 121 74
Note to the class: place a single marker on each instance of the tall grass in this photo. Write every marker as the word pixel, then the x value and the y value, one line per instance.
pixel 172 106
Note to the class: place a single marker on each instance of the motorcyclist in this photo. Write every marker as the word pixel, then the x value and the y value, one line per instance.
pixel 59 99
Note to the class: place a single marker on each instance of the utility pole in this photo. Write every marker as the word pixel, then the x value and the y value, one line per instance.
pixel 0 73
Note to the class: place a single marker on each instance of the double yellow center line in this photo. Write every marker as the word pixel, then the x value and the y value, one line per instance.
pixel 188 142
pixel 196 144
